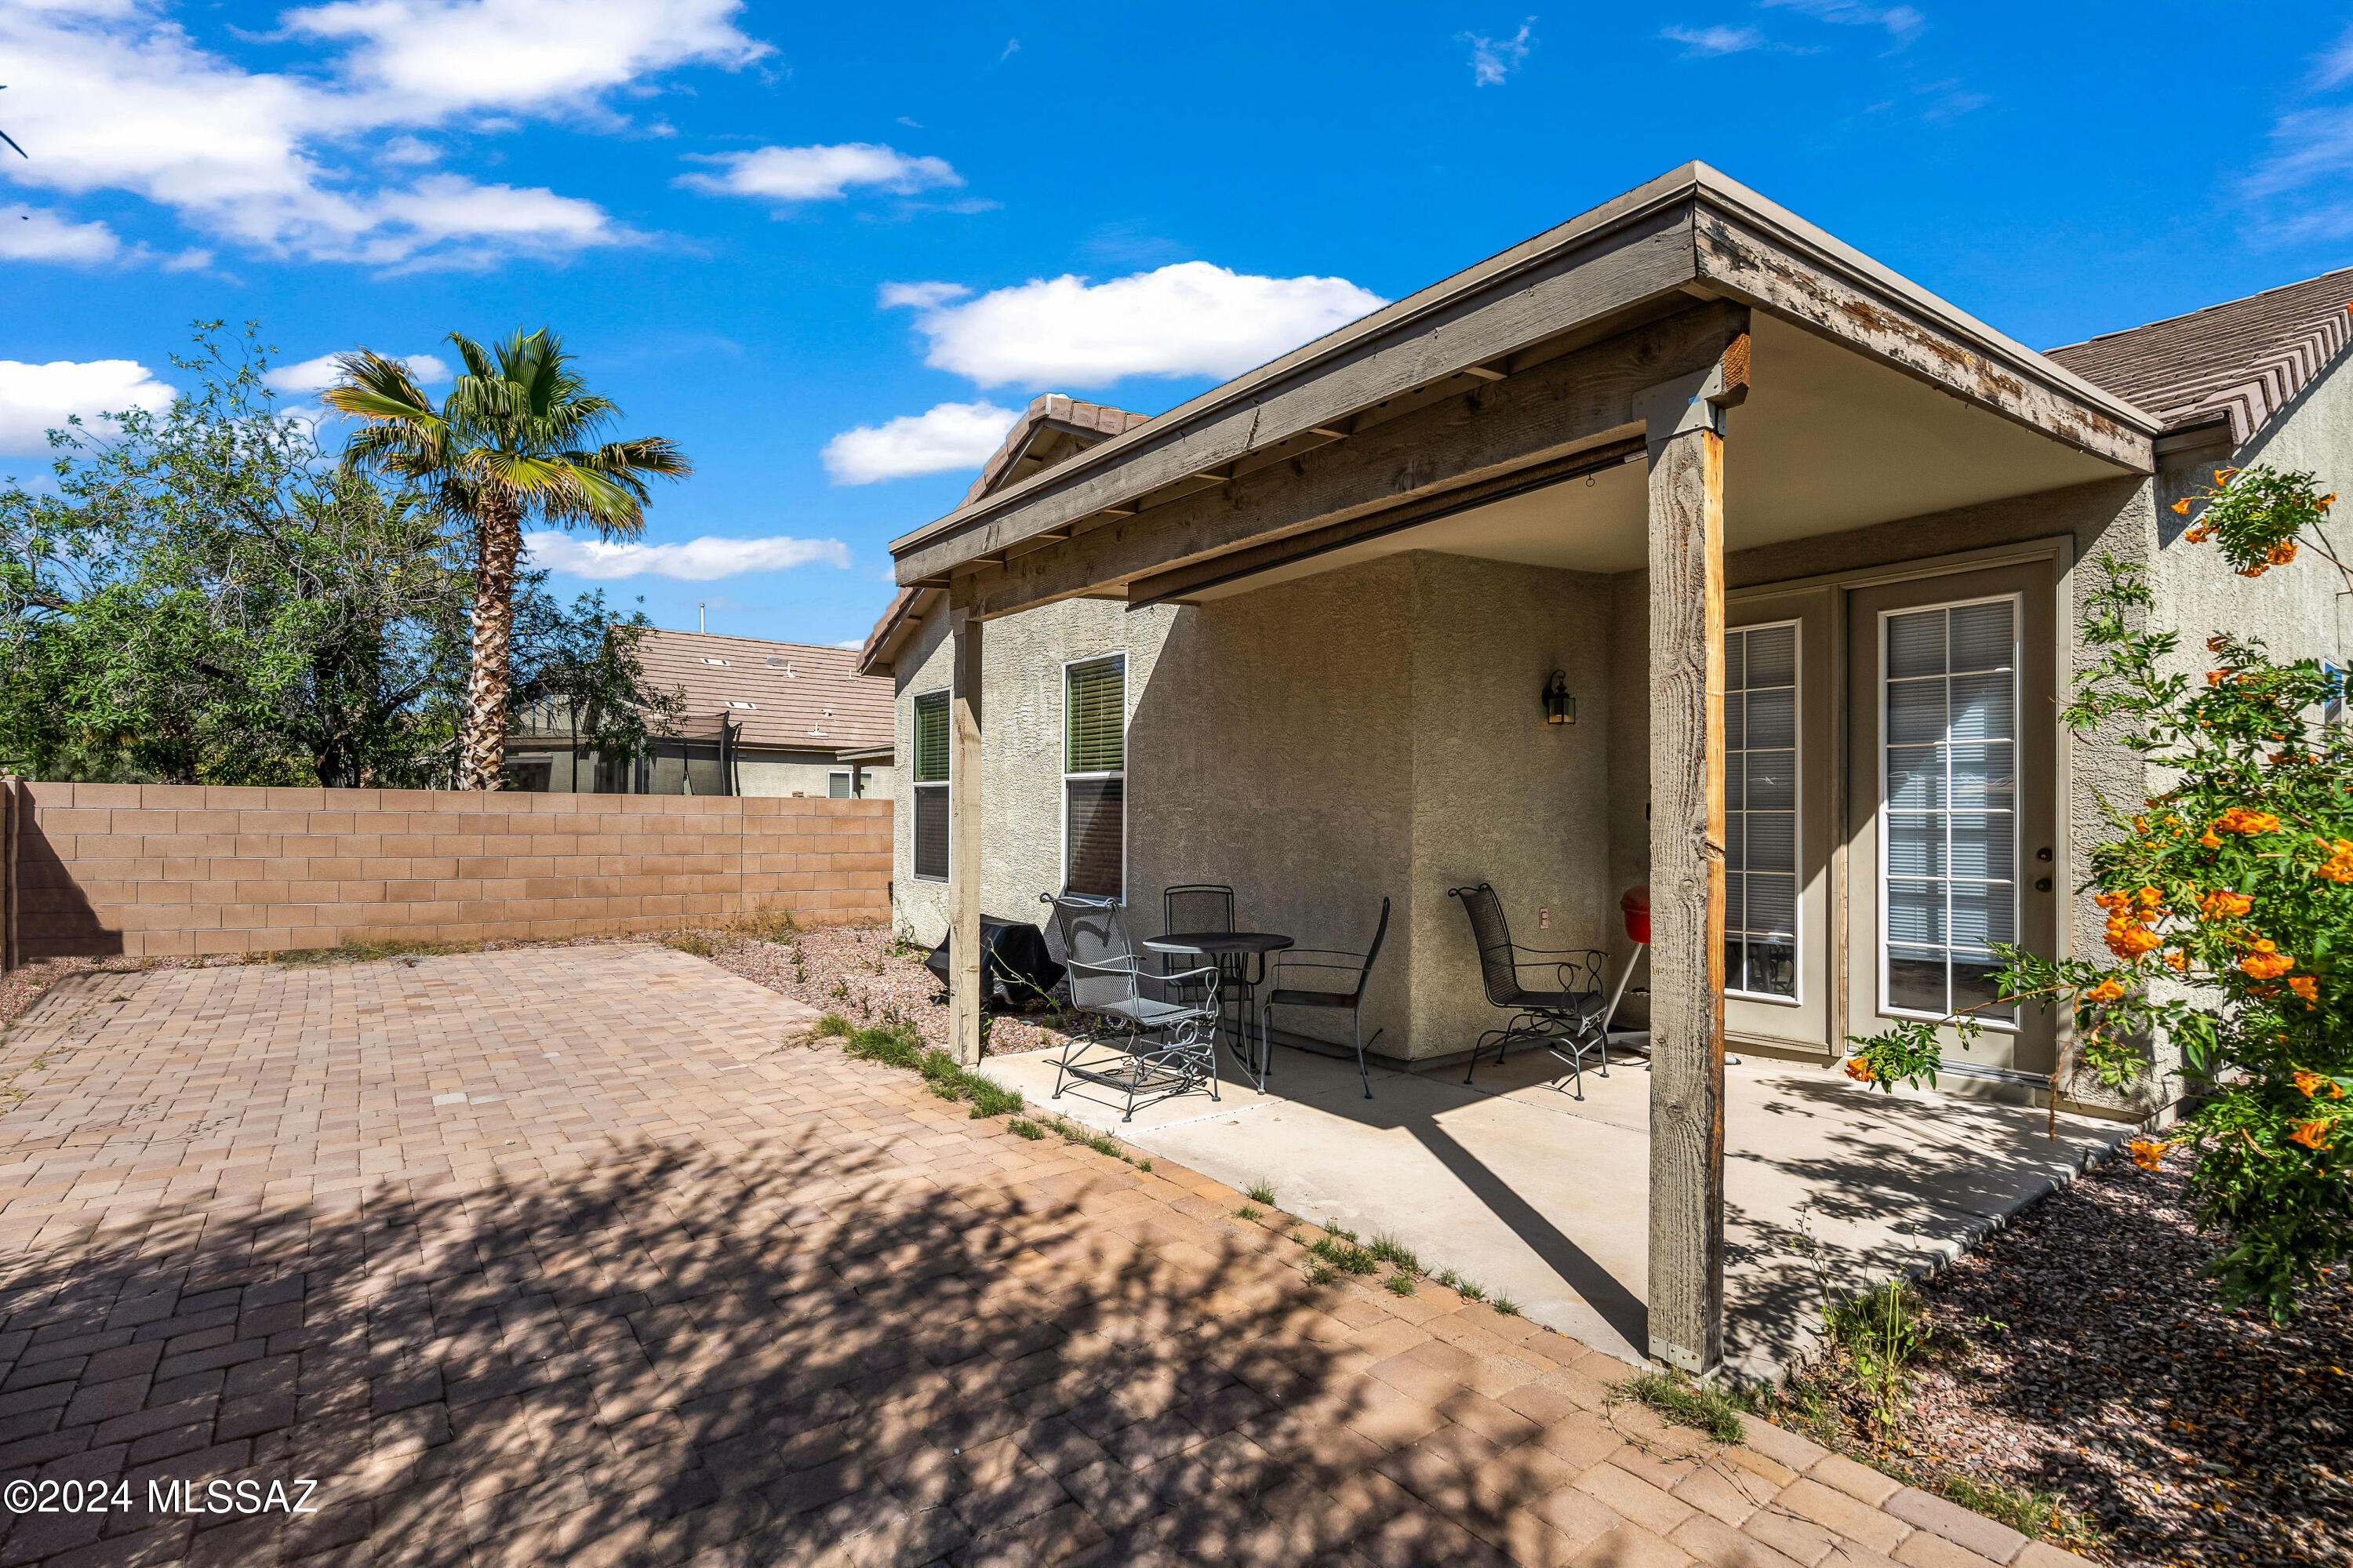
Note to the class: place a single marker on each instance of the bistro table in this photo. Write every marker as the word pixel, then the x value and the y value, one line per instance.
pixel 1237 979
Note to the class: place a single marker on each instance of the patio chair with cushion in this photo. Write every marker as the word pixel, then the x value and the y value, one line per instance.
pixel 1145 1035
pixel 1340 986
pixel 1565 1019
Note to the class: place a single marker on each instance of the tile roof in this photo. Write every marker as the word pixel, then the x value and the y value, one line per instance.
pixel 2245 360
pixel 800 695
pixel 1031 445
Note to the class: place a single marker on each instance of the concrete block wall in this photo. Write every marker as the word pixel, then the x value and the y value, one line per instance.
pixel 151 870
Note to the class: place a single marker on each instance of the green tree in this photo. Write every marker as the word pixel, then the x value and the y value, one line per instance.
pixel 202 597
pixel 2230 901
pixel 516 437
pixel 576 671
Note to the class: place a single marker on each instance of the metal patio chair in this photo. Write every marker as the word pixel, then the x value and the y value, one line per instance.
pixel 1200 906
pixel 1566 1020
pixel 1147 1035
pixel 1356 968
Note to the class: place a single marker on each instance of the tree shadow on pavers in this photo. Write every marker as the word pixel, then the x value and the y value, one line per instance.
pixel 770 1357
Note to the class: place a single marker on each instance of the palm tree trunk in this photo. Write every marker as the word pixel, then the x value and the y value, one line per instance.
pixel 485 741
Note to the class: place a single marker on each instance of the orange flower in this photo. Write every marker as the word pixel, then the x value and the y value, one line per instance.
pixel 2325 502
pixel 2106 990
pixel 2338 866
pixel 2222 475
pixel 2244 820
pixel 2178 960
pixel 2198 534
pixel 2182 506
pixel 2214 644
pixel 2313 1084
pixel 2313 1135
pixel 2280 554
pixel 2128 940
pixel 2223 903
pixel 2209 840
pixel 1861 1071
pixel 2149 1153
pixel 2150 898
pixel 2266 962
pixel 2216 677
pixel 2254 571
pixel 2307 987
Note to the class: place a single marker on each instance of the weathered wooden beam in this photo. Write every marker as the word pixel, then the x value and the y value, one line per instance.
pixel 1622 264
pixel 1491 430
pixel 1684 423
pixel 966 999
pixel 1735 256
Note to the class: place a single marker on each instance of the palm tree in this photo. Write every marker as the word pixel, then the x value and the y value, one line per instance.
pixel 516 437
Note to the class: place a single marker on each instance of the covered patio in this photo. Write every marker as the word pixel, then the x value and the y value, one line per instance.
pixel 1331 595
pixel 1544 1198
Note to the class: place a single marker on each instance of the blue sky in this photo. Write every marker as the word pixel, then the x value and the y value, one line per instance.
pixel 770 232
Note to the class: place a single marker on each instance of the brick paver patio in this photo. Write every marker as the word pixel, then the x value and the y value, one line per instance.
pixel 573 1256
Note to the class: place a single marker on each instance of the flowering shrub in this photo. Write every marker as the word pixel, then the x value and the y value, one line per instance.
pixel 2230 913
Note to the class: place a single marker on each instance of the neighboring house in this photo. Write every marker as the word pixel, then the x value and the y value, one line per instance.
pixel 762 718
pixel 1294 636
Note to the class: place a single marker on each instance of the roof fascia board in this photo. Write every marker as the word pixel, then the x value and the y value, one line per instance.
pixel 1645 258
pixel 1251 387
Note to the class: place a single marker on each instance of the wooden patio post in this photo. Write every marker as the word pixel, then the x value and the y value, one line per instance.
pixel 963 835
pixel 1684 424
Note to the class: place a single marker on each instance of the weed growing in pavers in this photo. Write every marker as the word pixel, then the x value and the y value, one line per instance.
pixel 1317 1274
pixel 1506 1306
pixel 1336 1228
pixel 1020 1127
pixel 357 952
pixel 1346 1255
pixel 1261 1192
pixel 900 1046
pixel 1400 1285
pixel 1247 1213
pixel 1470 1290
pixel 1388 1249
pixel 1687 1404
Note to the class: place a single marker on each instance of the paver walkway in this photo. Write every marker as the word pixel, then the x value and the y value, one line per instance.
pixel 567 1256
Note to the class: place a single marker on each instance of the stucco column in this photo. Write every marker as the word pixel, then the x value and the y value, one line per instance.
pixel 963 835
pixel 1684 423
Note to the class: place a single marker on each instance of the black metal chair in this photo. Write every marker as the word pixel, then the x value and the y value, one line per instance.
pixel 1137 1043
pixel 1357 966
pixel 1566 1020
pixel 1197 906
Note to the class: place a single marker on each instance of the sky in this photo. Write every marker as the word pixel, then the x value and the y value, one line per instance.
pixel 832 251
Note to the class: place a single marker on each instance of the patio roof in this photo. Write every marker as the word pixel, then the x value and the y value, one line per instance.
pixel 1132 505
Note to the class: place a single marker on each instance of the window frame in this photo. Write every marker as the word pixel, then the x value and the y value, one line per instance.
pixel 1797 997
pixel 915 785
pixel 2016 599
pixel 849 777
pixel 1063 873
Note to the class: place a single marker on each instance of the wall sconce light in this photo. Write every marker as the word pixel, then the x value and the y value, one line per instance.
pixel 1559 707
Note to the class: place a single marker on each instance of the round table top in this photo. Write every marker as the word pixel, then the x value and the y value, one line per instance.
pixel 1217 942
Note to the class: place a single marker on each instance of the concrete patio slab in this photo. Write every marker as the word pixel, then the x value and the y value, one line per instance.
pixel 1540 1195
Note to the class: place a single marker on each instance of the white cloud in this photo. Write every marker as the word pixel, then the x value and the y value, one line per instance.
pixel 2337 65
pixel 38 234
pixel 1189 318
pixel 1492 60
pixel 439 56
pixel 304 165
pixel 949 436
pixel 818 174
pixel 703 560
pixel 1718 41
pixel 37 399
pixel 922 296
pixel 318 374
pixel 1902 22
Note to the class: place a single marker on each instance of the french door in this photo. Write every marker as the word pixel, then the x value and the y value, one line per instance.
pixel 1951 756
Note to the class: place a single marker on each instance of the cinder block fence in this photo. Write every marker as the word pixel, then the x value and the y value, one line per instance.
pixel 163 870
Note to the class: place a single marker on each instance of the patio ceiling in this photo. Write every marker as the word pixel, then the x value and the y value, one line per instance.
pixel 1447 412
pixel 1828 440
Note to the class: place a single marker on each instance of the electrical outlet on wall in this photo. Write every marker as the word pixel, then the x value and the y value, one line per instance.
pixel 1544 918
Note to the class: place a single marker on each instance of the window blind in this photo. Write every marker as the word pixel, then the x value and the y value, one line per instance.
pixel 932 833
pixel 1095 855
pixel 932 739
pixel 1094 715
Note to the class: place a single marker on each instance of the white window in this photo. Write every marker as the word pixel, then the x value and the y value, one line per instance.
pixel 1948 803
pixel 931 786
pixel 1761 811
pixel 1094 776
pixel 837 785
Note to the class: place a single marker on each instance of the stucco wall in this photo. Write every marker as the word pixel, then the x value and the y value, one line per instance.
pixel 785 773
pixel 1319 744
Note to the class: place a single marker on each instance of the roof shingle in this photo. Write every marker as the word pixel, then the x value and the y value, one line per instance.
pixel 798 694
pixel 2245 360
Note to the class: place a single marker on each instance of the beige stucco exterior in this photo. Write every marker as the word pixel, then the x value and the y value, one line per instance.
pixel 1375 730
